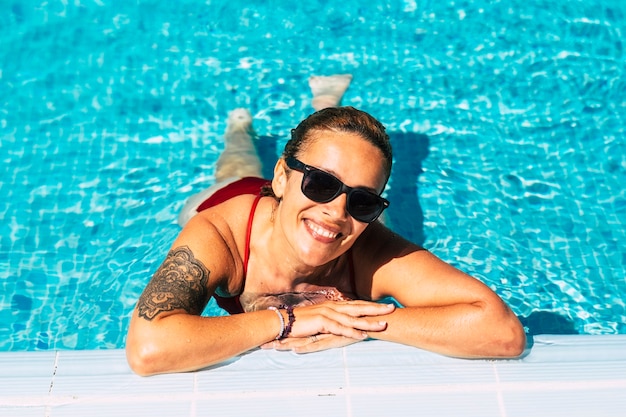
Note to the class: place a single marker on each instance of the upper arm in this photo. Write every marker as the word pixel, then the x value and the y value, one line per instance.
pixel 199 261
pixel 413 276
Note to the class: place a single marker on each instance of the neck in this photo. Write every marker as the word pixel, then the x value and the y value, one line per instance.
pixel 272 253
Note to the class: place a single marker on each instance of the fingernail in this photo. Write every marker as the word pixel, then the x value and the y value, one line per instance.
pixel 382 323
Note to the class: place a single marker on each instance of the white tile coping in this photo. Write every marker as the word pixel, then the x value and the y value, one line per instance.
pixel 560 376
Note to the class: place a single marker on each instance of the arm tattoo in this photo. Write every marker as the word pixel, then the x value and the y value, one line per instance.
pixel 180 283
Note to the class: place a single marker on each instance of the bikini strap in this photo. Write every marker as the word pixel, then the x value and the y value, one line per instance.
pixel 246 254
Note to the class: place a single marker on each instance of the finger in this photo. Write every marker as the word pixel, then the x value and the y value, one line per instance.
pixel 290 343
pixel 315 343
pixel 293 343
pixel 350 326
pixel 324 342
pixel 360 308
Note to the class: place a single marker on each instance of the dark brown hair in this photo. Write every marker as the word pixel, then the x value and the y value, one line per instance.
pixel 342 119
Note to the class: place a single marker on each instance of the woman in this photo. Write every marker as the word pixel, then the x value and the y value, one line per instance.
pixel 303 259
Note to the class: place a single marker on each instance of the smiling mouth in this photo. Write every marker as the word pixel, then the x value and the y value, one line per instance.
pixel 321 231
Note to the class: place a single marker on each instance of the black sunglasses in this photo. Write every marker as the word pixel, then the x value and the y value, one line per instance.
pixel 322 187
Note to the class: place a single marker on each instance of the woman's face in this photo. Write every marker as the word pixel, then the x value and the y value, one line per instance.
pixel 320 232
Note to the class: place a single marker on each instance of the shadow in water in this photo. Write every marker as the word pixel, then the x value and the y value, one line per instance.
pixel 405 214
pixel 547 322
pixel 266 149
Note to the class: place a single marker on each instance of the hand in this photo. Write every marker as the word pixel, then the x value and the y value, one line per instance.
pixel 349 320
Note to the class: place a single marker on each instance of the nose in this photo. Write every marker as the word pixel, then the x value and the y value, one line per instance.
pixel 337 207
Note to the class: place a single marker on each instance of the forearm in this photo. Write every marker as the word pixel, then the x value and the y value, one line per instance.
pixel 463 330
pixel 179 342
pixel 183 342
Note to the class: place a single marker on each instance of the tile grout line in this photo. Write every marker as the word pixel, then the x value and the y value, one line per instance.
pixel 499 391
pixel 346 373
pixel 194 398
pixel 55 367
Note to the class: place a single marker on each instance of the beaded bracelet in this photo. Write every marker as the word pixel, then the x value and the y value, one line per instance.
pixel 292 319
pixel 282 322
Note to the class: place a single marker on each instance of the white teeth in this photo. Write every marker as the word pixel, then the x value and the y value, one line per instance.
pixel 321 231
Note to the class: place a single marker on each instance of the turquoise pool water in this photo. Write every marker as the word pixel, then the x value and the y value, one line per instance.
pixel 507 118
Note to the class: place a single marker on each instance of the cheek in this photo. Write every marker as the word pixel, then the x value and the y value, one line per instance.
pixel 293 198
pixel 290 207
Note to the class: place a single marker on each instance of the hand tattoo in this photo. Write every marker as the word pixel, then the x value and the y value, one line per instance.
pixel 179 283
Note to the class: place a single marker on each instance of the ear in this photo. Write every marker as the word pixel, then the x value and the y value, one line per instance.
pixel 279 182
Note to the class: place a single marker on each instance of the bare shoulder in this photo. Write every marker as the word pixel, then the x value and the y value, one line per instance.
pixel 376 253
pixel 224 223
pixel 379 245
pixel 217 236
pixel 395 267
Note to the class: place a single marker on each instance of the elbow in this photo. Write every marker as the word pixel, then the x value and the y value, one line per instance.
pixel 510 340
pixel 513 348
pixel 500 333
pixel 143 359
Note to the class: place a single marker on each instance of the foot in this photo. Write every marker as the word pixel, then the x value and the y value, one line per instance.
pixel 239 120
pixel 328 90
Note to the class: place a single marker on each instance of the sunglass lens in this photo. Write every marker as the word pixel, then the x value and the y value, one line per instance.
pixel 320 187
pixel 364 206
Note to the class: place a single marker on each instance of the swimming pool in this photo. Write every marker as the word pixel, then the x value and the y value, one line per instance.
pixel 507 120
